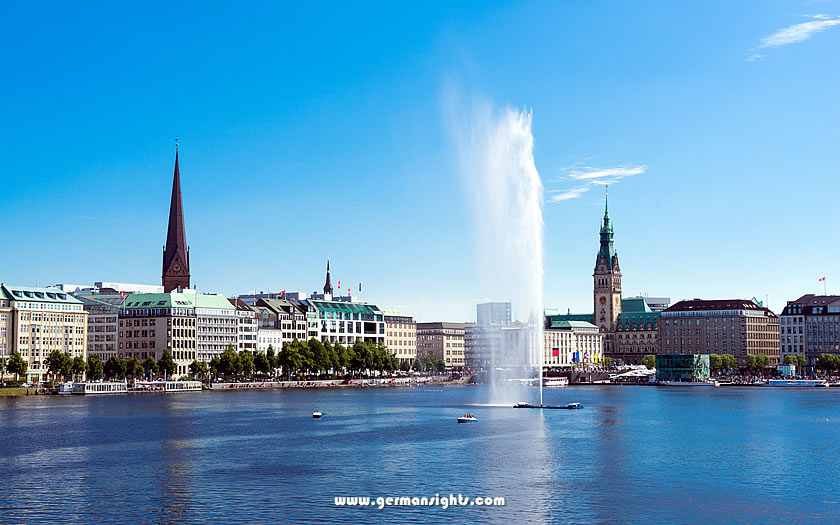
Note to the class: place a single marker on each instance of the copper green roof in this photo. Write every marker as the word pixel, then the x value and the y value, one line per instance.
pixel 641 320
pixel 214 301
pixel 570 317
pixel 42 295
pixel 161 300
pixel 341 306
pixel 635 305
pixel 572 324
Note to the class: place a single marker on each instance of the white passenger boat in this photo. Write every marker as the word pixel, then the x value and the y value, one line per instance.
pixel 166 387
pixel 317 414
pixel 65 389
pixel 89 388
pixel 555 381
pixel 796 382
pixel 467 418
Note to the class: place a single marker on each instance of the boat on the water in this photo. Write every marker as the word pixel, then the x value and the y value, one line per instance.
pixel 103 387
pixel 570 406
pixel 796 382
pixel 688 383
pixel 166 387
pixel 65 389
pixel 467 418
pixel 317 414
pixel 555 381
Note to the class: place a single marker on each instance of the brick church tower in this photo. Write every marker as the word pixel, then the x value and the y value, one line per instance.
pixel 176 254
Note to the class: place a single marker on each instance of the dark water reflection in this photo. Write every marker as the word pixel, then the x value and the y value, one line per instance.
pixel 633 455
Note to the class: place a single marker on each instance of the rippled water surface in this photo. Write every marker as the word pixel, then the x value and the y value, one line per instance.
pixel 633 455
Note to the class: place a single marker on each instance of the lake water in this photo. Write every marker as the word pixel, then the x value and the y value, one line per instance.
pixel 632 455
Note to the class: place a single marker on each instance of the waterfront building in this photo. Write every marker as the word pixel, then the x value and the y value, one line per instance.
pixel 442 340
pixel 572 343
pixel 7 332
pixel 635 332
pixel 738 327
pixel 216 325
pixel 246 326
pixel 38 321
pixel 176 253
pixel 493 313
pixel 103 322
pixel 289 318
pixel 400 335
pixel 152 323
pixel 810 326
pixel 347 322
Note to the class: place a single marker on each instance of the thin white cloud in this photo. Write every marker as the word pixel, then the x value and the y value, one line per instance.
pixel 591 174
pixel 756 58
pixel 799 32
pixel 573 193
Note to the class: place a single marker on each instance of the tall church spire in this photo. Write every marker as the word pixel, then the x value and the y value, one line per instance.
pixel 176 256
pixel 328 288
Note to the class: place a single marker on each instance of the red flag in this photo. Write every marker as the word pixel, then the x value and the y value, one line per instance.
pixel 339 284
pixel 122 294
pixel 555 352
pixel 283 293
pixel 823 279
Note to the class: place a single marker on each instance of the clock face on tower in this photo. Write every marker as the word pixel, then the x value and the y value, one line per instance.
pixel 176 267
pixel 602 300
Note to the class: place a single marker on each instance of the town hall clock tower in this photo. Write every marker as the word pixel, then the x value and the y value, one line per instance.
pixel 607 281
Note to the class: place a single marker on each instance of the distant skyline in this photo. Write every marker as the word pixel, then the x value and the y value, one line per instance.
pixel 307 133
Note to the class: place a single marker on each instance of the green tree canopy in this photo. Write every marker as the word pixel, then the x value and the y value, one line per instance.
pixel 79 366
pixel 762 361
pixel 229 362
pixel 150 366
pixel 649 361
pixel 750 362
pixel 828 362
pixel 261 363
pixel 215 365
pixel 608 362
pixel 271 355
pixel 791 359
pixel 133 367
pixel 198 368
pixel 95 367
pixel 728 361
pixel 55 362
pixel 246 362
pixel 17 365
pixel 166 364
pixel 715 361
pixel 115 367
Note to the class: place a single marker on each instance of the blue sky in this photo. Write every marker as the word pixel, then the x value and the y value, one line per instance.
pixel 309 131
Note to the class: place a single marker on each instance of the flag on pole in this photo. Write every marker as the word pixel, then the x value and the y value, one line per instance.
pixel 822 279
pixel 555 352
pixel 339 285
